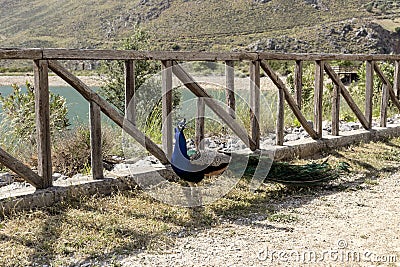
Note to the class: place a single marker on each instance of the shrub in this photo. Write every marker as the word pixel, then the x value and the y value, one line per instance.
pixel 19 113
pixel 71 148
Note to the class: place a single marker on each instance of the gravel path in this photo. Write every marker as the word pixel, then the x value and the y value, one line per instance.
pixel 357 226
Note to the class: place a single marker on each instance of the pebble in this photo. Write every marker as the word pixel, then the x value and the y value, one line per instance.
pixel 6 179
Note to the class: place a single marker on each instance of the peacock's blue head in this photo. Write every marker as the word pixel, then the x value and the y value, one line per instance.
pixel 181 125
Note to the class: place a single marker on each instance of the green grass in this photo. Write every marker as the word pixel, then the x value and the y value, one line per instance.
pixel 103 227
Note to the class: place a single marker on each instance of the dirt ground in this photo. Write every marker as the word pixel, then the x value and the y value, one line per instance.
pixel 354 224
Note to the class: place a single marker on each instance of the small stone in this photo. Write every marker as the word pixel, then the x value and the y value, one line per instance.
pixel 291 137
pixel 345 128
pixel 56 176
pixel 6 179
pixel 212 144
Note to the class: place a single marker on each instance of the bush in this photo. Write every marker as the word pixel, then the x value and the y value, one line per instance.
pixel 71 148
pixel 19 113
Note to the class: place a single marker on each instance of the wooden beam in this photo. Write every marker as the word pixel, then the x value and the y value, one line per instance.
pixel 289 99
pixel 318 95
pixel 200 120
pixel 108 110
pixel 230 87
pixel 384 105
pixel 167 129
pixel 20 169
pixel 98 54
pixel 196 89
pixel 15 53
pixel 386 81
pixel 396 86
pixel 255 102
pixel 369 91
pixel 130 106
pixel 298 82
pixel 95 141
pixel 42 110
pixel 325 57
pixel 335 110
pixel 280 120
pixel 346 95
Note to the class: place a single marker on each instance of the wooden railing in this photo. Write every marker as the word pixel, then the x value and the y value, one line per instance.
pixel 45 59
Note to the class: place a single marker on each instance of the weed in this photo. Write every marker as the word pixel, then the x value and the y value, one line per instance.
pixel 283 218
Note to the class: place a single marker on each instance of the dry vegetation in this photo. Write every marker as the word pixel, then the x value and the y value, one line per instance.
pixel 101 228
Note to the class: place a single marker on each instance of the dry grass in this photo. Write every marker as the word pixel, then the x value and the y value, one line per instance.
pixel 128 222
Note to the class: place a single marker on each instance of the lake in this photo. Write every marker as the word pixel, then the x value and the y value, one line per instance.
pixel 78 107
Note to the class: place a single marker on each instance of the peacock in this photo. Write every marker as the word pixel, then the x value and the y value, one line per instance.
pixel 186 167
pixel 193 171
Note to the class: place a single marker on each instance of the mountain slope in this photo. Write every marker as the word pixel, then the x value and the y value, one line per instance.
pixel 211 25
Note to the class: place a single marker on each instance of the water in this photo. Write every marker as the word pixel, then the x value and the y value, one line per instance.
pixel 78 107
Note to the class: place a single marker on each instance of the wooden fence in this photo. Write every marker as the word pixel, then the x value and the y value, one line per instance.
pixel 48 59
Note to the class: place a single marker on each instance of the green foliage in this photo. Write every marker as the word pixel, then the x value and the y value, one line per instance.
pixel 113 71
pixel 207 68
pixel 358 89
pixel 147 83
pixel 397 30
pixel 19 114
pixel 15 69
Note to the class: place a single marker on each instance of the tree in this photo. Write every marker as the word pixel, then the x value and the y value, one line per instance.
pixel 113 71
pixel 147 84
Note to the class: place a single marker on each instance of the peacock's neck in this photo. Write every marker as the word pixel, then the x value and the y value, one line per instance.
pixel 182 144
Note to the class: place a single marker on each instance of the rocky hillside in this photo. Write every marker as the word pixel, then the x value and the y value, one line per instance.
pixel 363 26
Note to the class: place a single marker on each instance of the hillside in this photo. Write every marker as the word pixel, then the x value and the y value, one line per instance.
pixel 212 25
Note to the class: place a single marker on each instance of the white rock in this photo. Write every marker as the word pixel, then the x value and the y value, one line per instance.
pixel 56 176
pixel 291 137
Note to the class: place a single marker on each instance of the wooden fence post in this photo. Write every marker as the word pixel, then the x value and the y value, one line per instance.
pixel 214 105
pixel 167 132
pixel 95 140
pixel 369 91
pixel 230 87
pixel 201 107
pixel 396 86
pixel 384 105
pixel 42 110
pixel 280 120
pixel 318 94
pixel 289 99
pixel 130 107
pixel 255 101
pixel 298 82
pixel 335 110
